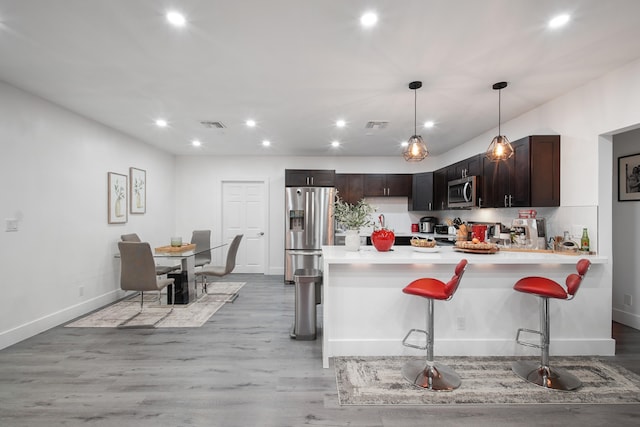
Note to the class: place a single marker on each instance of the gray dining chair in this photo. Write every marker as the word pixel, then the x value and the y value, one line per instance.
pixel 222 270
pixel 202 239
pixel 160 269
pixel 138 273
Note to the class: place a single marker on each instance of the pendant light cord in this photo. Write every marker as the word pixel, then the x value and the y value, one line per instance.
pixel 415 111
pixel 499 113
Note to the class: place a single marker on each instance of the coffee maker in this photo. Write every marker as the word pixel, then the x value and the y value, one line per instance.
pixel 427 224
pixel 529 233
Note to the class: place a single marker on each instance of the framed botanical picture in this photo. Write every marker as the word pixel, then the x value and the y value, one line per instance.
pixel 138 191
pixel 117 199
pixel 629 178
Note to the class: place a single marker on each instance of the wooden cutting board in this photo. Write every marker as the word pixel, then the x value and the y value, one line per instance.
pixel 546 251
pixel 541 251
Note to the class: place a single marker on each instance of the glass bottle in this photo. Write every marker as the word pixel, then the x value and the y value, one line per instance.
pixel 584 241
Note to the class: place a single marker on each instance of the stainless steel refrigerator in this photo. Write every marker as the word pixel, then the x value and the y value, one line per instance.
pixel 308 226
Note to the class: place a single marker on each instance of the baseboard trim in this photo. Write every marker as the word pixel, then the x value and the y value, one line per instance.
pixel 484 347
pixel 629 319
pixel 30 329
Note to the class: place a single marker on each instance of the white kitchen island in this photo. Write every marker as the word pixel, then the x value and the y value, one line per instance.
pixel 365 312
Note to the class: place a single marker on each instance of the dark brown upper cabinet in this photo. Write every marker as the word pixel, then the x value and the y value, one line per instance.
pixel 350 187
pixel 309 178
pixel 422 192
pixel 440 189
pixel 464 168
pixel 530 178
pixel 387 185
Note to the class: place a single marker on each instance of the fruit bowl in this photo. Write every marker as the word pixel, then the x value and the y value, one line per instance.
pixel 383 239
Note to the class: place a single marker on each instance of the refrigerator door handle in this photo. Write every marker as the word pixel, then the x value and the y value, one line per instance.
pixel 307 220
pixel 313 219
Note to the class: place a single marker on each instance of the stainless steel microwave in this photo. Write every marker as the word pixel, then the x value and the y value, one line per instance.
pixel 462 192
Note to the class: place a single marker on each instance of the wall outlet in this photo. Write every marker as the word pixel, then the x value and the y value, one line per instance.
pixel 11 224
pixel 628 300
pixel 461 323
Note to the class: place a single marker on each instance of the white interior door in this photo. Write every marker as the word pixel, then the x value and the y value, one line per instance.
pixel 243 212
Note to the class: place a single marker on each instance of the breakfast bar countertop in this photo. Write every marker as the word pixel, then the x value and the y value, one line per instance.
pixel 447 255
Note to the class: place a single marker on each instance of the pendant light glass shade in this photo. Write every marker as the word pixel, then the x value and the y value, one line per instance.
pixel 416 149
pixel 500 147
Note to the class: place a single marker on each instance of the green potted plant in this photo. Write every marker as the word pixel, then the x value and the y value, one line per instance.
pixel 353 217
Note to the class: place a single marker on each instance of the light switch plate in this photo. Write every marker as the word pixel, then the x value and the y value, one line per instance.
pixel 12 224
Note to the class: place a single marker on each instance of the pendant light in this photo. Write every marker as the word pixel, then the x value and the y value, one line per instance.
pixel 500 147
pixel 416 149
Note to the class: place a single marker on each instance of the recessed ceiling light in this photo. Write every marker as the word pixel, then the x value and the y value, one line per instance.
pixel 196 143
pixel 341 123
pixel 251 123
pixel 161 123
pixel 335 143
pixel 369 19
pixel 266 143
pixel 429 124
pixel 176 18
pixel 559 21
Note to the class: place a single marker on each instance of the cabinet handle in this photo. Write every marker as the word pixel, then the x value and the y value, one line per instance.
pixel 479 202
pixel 430 206
pixel 312 181
pixel 510 200
pixel 505 201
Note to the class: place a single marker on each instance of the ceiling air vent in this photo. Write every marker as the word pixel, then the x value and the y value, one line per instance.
pixel 213 125
pixel 376 124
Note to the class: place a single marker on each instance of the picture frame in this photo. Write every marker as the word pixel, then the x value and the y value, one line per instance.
pixel 138 190
pixel 629 178
pixel 117 198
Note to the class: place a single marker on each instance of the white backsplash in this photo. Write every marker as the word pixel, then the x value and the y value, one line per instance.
pixel 566 218
pixel 396 213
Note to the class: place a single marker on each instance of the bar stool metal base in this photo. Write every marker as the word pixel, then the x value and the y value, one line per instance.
pixel 435 376
pixel 546 376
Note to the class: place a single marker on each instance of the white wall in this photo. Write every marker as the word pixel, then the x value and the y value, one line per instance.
pixel 626 235
pixel 53 179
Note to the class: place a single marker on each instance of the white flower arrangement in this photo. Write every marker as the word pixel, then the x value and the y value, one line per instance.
pixel 353 216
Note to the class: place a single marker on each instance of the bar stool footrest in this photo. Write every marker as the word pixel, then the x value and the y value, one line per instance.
pixel 546 376
pixel 419 347
pixel 432 375
pixel 529 344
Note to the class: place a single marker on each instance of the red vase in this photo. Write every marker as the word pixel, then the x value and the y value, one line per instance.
pixel 383 239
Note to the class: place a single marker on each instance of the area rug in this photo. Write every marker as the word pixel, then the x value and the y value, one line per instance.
pixel 191 315
pixel 485 380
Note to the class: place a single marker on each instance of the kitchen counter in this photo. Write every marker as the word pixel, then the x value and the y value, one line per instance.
pixel 446 255
pixel 365 312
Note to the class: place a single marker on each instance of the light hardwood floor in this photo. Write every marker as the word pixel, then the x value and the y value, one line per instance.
pixel 239 369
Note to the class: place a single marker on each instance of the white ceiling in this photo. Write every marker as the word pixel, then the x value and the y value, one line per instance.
pixel 296 66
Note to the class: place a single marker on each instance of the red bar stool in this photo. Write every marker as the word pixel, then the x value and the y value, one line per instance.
pixel 541 373
pixel 431 375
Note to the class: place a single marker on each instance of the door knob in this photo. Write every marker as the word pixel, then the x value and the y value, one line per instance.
pixel 261 233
